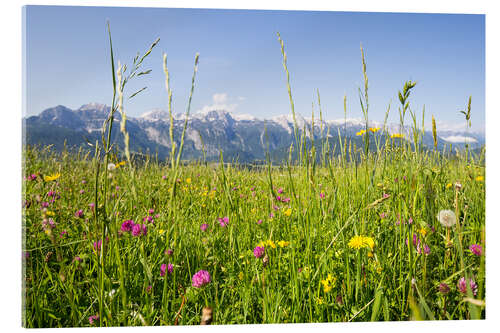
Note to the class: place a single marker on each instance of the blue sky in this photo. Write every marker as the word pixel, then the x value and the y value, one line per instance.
pixel 67 57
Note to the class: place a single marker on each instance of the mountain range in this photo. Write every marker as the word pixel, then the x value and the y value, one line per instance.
pixel 239 137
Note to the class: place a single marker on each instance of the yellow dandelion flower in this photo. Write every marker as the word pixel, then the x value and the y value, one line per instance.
pixel 448 185
pixel 370 254
pixel 356 242
pixel 188 180
pixel 211 195
pixel 50 213
pixel 320 300
pixel 288 212
pixel 120 164
pixel 283 243
pixel 360 133
pixel 161 231
pixel 51 177
pixel 271 244
pixel 374 129
pixel 240 276
pixel 368 241
pixel 326 286
pixel 479 178
pixel 397 136
pixel 423 231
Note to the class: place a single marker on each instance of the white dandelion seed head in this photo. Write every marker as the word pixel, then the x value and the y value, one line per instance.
pixel 111 166
pixel 447 218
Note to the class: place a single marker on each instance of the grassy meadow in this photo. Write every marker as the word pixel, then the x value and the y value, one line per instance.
pixel 395 235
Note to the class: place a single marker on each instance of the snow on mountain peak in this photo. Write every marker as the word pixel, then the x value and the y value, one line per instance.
pixel 155 114
pixel 94 106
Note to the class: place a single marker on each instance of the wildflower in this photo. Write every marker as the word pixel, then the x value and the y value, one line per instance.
pixel 283 243
pixel 286 200
pixel 397 136
pixel 320 300
pixel 476 249
pixel 447 218
pixel 448 185
pixel 423 231
pixel 166 268
pixel 328 283
pixel 259 222
pixel 97 245
pixel 163 177
pixel 51 177
pixel 148 289
pixel 258 251
pixel 204 227
pixel 137 229
pixel 82 191
pixel 223 221
pixel 427 249
pixel 322 195
pixel 127 225
pixel 45 204
pixel 120 164
pixel 462 286
pixel 382 215
pixel 288 212
pixel 361 132
pixel 271 215
pixel 188 180
pixel 91 205
pixel 356 242
pixel 200 279
pixel 241 276
pixel 111 166
pixel 84 181
pixel 93 319
pixel 77 259
pixel 374 129
pixel 443 288
pixel 280 190
pixel 32 177
pixel 479 178
pixel 79 213
pixel 64 232
pixel 169 252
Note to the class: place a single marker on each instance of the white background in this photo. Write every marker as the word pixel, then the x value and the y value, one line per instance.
pixel 11 178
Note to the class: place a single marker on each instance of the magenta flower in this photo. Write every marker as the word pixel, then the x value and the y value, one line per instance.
pixel 164 268
pixel 258 252
pixel 200 279
pixel 169 252
pixel 385 195
pixel 64 232
pixel 91 205
pixel 278 198
pixel 32 177
pixel 280 190
pixel 127 225
pixel 462 286
pixel 382 215
pixel 97 245
pixel 139 229
pixel 164 177
pixel 149 288
pixel 444 288
pixel 286 200
pixel 204 227
pixel 45 204
pixel 93 319
pixel 79 213
pixel 151 211
pixel 223 221
pixel 476 249
pixel 84 181
pixel 82 191
pixel 77 258
pixel 322 195
pixel 259 222
pixel 51 193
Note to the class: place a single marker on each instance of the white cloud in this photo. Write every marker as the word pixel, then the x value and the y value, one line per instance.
pixel 459 139
pixel 219 102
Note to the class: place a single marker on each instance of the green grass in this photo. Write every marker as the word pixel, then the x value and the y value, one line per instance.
pixel 309 272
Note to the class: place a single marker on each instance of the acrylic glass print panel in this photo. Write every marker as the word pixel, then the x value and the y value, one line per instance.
pixel 198 166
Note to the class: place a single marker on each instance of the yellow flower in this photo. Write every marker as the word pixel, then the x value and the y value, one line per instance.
pixel 271 244
pixel 368 241
pixel 448 185
pixel 423 231
pixel 240 276
pixel 370 254
pixel 50 213
pixel 51 177
pixel 120 164
pixel 188 180
pixel 360 133
pixel 479 178
pixel 374 129
pixel 283 243
pixel 211 195
pixel 320 300
pixel 397 135
pixel 161 231
pixel 356 242
pixel 328 283
pixel 288 212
